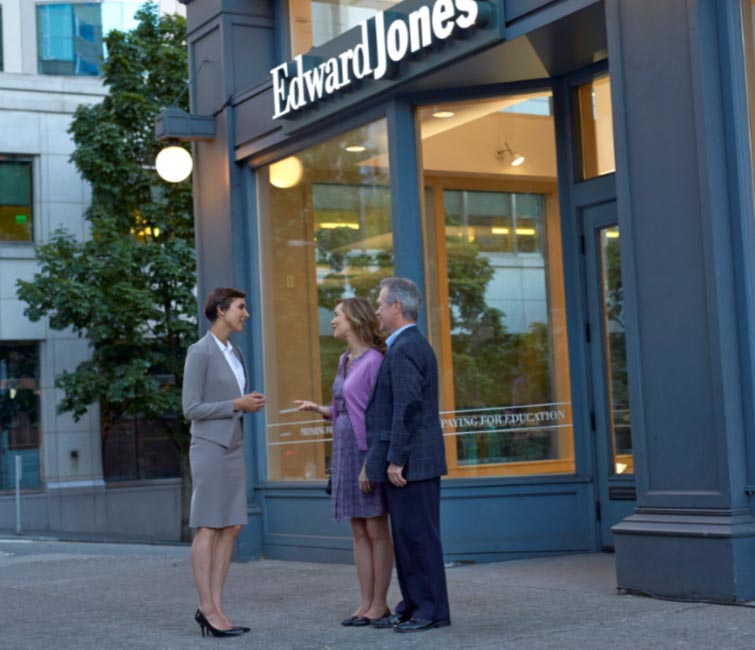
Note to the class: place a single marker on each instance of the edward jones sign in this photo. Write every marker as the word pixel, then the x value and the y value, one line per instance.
pixel 386 39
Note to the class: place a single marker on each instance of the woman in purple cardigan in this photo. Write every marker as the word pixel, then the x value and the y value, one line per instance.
pixel 353 496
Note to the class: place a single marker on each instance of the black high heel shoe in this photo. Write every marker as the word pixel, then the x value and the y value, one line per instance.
pixel 205 625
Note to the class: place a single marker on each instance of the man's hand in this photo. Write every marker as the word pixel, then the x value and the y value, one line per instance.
pixel 395 475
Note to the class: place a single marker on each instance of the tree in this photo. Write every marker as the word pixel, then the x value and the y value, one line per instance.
pixel 129 289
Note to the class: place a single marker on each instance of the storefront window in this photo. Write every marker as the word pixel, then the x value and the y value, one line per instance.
pixel 70 36
pixel 325 233
pixel 595 128
pixel 15 200
pixel 496 296
pixel 314 22
pixel 19 413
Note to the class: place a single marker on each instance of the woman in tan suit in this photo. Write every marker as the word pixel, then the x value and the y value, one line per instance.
pixel 215 398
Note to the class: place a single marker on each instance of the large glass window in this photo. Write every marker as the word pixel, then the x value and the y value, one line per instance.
pixel 19 413
pixel 15 200
pixel 325 233
pixel 496 295
pixel 70 36
pixel 314 22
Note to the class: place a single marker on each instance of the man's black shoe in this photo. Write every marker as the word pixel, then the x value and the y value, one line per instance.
pixel 389 621
pixel 420 625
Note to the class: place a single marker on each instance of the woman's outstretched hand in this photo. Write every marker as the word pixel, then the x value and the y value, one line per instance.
pixel 305 405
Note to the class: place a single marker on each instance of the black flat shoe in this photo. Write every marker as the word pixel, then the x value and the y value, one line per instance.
pixel 363 621
pixel 388 621
pixel 206 626
pixel 348 622
pixel 420 625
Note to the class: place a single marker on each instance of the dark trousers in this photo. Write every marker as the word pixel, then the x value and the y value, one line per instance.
pixel 415 524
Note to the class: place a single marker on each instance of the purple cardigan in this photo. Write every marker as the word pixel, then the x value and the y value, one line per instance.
pixel 357 389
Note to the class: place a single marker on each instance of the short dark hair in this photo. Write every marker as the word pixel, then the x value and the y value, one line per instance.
pixel 404 292
pixel 220 299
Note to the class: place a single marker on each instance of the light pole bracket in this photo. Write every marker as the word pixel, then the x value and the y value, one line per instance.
pixel 176 124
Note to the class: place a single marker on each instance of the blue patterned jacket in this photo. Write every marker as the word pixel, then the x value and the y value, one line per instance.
pixel 402 420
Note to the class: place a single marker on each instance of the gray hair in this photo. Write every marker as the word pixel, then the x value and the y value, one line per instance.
pixel 404 292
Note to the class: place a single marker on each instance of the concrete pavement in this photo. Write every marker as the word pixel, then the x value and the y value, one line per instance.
pixel 97 596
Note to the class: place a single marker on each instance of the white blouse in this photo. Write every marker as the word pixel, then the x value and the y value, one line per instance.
pixel 233 361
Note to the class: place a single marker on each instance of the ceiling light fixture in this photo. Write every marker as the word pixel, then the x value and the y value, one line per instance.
pixel 443 114
pixel 516 158
pixel 355 148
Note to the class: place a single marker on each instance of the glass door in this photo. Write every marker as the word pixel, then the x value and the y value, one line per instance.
pixel 611 415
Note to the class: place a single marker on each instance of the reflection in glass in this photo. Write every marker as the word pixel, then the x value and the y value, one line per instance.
pixel 19 413
pixel 324 238
pixel 314 22
pixel 70 35
pixel 595 127
pixel 496 301
pixel 616 352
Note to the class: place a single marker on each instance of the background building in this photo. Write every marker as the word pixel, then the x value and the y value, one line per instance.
pixel 73 480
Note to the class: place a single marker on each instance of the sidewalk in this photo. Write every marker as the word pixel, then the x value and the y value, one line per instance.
pixel 72 595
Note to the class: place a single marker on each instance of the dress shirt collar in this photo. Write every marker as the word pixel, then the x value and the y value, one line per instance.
pixel 224 347
pixel 389 341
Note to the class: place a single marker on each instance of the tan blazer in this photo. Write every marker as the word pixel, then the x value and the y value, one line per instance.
pixel 209 389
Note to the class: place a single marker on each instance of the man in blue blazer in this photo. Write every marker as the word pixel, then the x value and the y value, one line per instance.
pixel 406 451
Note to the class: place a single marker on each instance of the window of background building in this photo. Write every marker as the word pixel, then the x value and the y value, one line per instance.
pixel 314 22
pixel 70 35
pixel 1 39
pixel 19 413
pixel 136 449
pixel 495 295
pixel 15 200
pixel 325 234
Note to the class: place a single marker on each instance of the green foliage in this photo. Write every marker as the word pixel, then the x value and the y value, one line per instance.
pixel 129 288
pixel 491 365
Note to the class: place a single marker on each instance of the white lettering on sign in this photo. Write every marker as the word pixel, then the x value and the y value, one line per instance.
pixel 507 418
pixel 381 46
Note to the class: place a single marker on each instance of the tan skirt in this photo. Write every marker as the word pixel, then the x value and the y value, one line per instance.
pixel 218 475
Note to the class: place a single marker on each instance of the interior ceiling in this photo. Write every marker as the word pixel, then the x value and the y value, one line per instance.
pixel 567 45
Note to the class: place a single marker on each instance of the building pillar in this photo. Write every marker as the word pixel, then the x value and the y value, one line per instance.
pixel 692 535
pixel 232 45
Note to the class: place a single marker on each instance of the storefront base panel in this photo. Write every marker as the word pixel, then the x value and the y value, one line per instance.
pixel 480 523
pixel 144 512
pixel 708 559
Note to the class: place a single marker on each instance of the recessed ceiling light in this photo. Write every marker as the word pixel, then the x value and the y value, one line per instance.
pixel 355 148
pixel 443 114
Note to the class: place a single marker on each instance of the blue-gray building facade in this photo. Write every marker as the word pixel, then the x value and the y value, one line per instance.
pixel 571 183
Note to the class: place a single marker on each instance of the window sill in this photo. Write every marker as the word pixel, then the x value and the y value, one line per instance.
pixel 17 251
